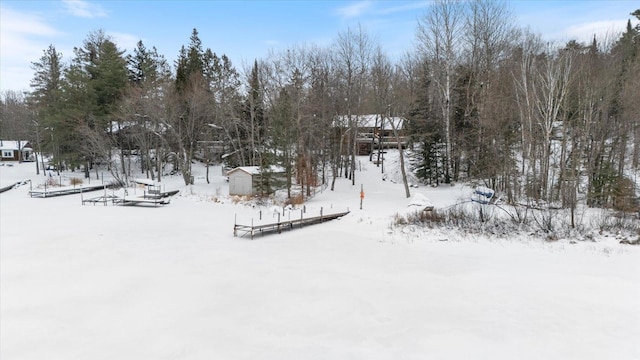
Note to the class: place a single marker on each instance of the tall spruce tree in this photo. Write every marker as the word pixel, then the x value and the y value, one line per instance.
pixel 147 67
pixel 149 75
pixel 96 82
pixel 191 110
pixel 253 113
pixel 46 98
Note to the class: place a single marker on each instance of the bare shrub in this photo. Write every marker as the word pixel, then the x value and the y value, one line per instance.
pixel 429 219
pixel 630 242
pixel 544 220
pixel 569 226
pixel 459 217
pixel 51 181
pixel 75 181
pixel 519 214
pixel 624 222
pixel 399 220
pixel 600 221
pixel 238 199
pixel 548 223
pixel 608 221
pixel 432 217
pixel 295 200
pixel 426 218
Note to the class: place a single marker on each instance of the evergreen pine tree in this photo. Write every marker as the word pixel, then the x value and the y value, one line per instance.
pixel 46 97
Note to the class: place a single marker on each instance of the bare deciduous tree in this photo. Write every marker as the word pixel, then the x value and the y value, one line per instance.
pixel 440 34
pixel 352 58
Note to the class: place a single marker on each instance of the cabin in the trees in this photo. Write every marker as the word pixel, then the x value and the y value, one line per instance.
pixel 16 150
pixel 252 180
pixel 129 134
pixel 373 131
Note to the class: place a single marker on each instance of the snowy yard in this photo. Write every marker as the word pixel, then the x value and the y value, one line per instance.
pixel 113 282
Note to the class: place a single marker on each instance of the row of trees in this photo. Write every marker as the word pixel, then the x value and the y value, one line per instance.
pixel 484 101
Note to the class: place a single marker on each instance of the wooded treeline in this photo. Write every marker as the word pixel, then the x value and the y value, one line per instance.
pixel 485 101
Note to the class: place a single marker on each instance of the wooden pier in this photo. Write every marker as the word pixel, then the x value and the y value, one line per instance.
pixel 152 196
pixel 141 200
pixel 104 200
pixel 7 188
pixel 50 192
pixel 252 229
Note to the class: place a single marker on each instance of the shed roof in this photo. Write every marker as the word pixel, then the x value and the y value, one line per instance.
pixel 251 170
pixel 255 170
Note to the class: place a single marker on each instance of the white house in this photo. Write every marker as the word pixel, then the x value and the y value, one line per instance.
pixel 11 150
pixel 250 180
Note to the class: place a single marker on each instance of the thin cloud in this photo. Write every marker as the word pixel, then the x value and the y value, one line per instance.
pixel 23 37
pixel 354 10
pixel 272 42
pixel 402 8
pixel 24 23
pixel 601 29
pixel 84 9
pixel 15 78
pixel 124 41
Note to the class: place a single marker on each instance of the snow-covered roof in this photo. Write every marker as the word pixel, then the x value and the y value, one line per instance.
pixel 255 170
pixel 147 124
pixel 13 144
pixel 252 170
pixel 371 121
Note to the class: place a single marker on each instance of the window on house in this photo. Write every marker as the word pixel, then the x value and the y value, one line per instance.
pixel 7 153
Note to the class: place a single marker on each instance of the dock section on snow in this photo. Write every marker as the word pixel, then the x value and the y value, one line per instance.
pixel 50 192
pixel 252 230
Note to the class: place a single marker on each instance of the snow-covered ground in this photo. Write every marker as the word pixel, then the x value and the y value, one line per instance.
pixel 113 282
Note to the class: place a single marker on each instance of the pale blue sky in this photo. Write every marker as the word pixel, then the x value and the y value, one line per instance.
pixel 245 30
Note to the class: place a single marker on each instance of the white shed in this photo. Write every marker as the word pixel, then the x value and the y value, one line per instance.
pixel 241 180
pixel 246 180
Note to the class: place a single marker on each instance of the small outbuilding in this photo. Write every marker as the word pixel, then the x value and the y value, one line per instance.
pixel 252 180
pixel 12 150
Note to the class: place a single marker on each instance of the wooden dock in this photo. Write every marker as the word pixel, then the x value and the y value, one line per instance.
pixel 104 200
pixel 50 192
pixel 7 188
pixel 252 230
pixel 150 197
pixel 141 200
